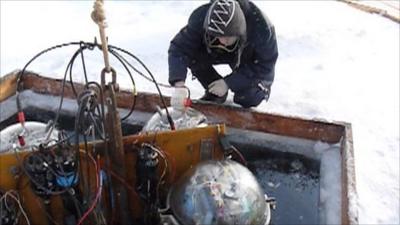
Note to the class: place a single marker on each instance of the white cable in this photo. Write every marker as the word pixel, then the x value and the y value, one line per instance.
pixel 9 193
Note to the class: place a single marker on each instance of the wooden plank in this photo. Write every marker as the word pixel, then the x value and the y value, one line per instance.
pixel 349 213
pixel 8 86
pixel 275 124
pixel 230 115
pixel 386 9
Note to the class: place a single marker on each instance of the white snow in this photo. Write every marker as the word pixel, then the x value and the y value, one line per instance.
pixel 335 63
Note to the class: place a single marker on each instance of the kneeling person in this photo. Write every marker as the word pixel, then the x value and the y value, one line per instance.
pixel 233 32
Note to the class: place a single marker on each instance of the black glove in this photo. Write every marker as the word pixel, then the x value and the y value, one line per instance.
pixel 265 86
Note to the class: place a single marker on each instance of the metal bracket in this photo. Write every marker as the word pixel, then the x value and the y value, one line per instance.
pixel 206 149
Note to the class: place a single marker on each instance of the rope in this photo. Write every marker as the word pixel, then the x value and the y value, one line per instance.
pixel 99 16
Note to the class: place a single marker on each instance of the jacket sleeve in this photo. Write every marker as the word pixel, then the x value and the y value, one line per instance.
pixel 262 65
pixel 185 45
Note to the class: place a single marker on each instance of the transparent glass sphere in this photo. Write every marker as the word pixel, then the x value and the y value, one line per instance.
pixel 219 192
pixel 186 118
pixel 34 134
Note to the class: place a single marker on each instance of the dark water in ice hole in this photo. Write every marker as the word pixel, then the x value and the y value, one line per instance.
pixel 291 179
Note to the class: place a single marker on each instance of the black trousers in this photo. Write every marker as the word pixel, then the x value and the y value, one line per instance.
pixel 203 70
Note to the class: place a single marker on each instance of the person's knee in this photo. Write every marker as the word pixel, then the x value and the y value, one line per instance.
pixel 249 98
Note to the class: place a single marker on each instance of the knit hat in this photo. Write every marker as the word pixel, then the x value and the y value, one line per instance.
pixel 225 18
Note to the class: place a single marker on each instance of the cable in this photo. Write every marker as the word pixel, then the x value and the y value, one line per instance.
pixel 88 117
pixel 173 165
pixel 99 189
pixel 48 191
pixel 82 115
pixel 83 62
pixel 85 113
pixel 83 46
pixel 62 94
pixel 166 166
pixel 49 217
pixel 116 55
pixel 140 73
pixel 244 162
pixel 77 127
pixel 71 66
pixel 123 181
pixel 16 199
pixel 22 72
pixel 143 75
pixel 171 122
pixel 148 78
pixel 100 108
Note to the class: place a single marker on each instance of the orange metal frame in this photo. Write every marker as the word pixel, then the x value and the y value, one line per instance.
pixel 182 149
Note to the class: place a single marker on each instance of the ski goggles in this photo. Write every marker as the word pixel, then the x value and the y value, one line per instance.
pixel 214 42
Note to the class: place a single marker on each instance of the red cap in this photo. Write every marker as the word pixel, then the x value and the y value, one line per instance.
pixel 21 140
pixel 187 102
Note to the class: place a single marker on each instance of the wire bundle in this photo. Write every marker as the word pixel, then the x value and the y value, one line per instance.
pixel 121 56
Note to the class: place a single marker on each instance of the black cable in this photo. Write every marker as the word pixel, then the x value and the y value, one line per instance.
pixel 106 149
pixel 120 58
pixel 83 63
pixel 78 206
pixel 96 126
pixel 22 72
pixel 171 122
pixel 90 113
pixel 147 78
pixel 83 116
pixel 70 190
pixel 140 72
pixel 69 69
pixel 60 164
pixel 48 191
pixel 62 93
pixel 49 213
pixel 86 183
pixel 101 111
pixel 77 131
pixel 83 46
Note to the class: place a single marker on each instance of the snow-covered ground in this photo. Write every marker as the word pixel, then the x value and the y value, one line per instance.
pixel 335 63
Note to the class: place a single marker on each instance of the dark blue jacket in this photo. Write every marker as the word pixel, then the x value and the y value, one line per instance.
pixel 257 58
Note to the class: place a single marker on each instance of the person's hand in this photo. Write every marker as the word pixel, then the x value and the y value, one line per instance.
pixel 218 88
pixel 179 84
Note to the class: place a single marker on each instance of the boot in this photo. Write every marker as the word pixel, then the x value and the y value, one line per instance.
pixel 209 97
